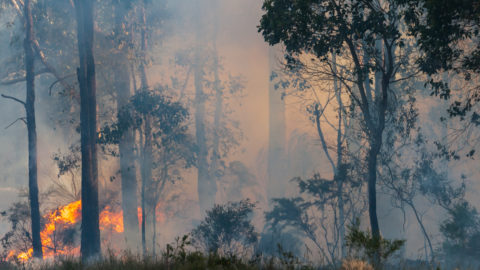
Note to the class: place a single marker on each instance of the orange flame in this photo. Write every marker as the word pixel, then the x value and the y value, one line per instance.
pixel 66 217
pixel 111 220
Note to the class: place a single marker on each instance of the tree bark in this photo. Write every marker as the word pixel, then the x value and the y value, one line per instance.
pixel 372 191
pixel 277 177
pixel 90 238
pixel 340 175
pixel 146 175
pixel 32 133
pixel 127 142
pixel 146 165
pixel 215 163
pixel 205 185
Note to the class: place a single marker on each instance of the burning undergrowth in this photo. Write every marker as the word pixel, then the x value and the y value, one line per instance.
pixel 60 232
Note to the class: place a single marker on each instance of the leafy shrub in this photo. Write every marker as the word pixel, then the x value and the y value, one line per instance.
pixel 362 245
pixel 461 231
pixel 227 229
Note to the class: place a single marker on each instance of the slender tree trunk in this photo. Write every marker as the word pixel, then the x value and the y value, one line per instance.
pixel 32 133
pixel 146 176
pixel 218 107
pixel 146 166
pixel 424 231
pixel 277 177
pixel 127 142
pixel 144 45
pixel 340 175
pixel 90 239
pixel 205 185
pixel 154 225
pixel 372 191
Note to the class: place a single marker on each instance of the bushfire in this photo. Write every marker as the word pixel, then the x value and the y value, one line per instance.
pixel 60 227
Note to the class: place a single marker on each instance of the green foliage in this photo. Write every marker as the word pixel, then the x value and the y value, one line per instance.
pixel 227 229
pixel 364 246
pixel 461 231
pixel 168 117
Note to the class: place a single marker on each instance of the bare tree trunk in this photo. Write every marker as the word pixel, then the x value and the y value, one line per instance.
pixel 339 175
pixel 32 133
pixel 146 175
pixel 218 105
pixel 154 225
pixel 372 191
pixel 146 165
pixel 277 179
pixel 127 142
pixel 90 239
pixel 424 231
pixel 205 185
pixel 144 44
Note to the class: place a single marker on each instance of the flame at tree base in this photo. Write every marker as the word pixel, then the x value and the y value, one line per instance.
pixel 61 224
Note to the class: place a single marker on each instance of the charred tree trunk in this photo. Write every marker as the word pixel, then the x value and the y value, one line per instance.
pixel 127 142
pixel 32 133
pixel 90 239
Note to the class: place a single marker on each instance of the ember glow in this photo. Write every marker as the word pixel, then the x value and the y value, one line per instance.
pixel 66 219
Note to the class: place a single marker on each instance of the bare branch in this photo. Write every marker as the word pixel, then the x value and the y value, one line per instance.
pixel 14 99
pixel 18 119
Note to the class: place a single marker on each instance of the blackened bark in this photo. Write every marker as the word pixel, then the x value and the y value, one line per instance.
pixel 32 133
pixel 127 142
pixel 90 239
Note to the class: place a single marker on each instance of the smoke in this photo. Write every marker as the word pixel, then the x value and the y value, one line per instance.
pixel 243 54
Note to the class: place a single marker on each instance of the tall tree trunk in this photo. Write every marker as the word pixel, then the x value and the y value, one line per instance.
pixel 144 45
pixel 146 176
pixel 372 191
pixel 146 166
pixel 90 239
pixel 339 175
pixel 218 105
pixel 32 133
pixel 127 142
pixel 277 178
pixel 154 228
pixel 205 185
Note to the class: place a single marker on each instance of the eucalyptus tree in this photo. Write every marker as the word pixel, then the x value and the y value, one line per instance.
pixel 154 114
pixel 367 40
pixel 29 105
pixel 122 83
pixel 90 239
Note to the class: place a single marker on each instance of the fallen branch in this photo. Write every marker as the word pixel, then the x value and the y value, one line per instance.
pixel 21 79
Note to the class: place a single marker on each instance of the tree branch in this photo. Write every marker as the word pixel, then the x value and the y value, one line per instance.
pixel 18 119
pixel 14 99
